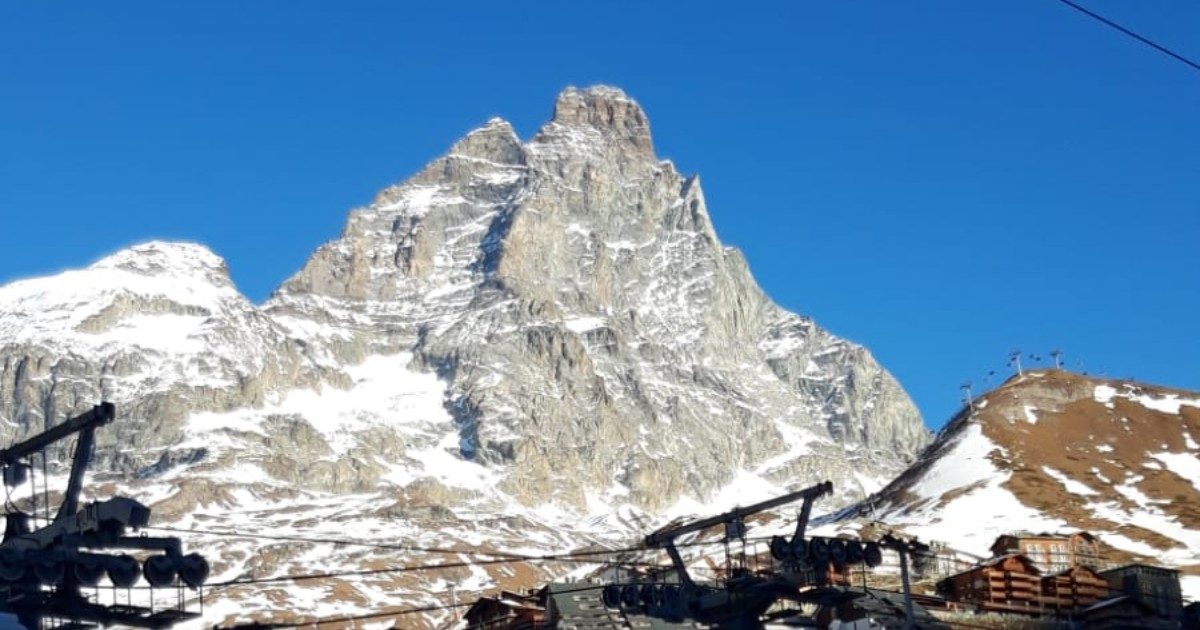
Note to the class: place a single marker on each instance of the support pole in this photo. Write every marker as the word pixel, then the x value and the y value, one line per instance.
pixel 902 548
pixel 908 608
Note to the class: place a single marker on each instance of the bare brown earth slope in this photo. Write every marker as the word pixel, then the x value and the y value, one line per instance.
pixel 1054 451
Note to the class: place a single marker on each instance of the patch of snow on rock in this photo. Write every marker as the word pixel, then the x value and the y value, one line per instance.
pixel 970 461
pixel 580 325
pixel 1185 465
pixel 1072 486
pixel 1167 404
pixel 973 519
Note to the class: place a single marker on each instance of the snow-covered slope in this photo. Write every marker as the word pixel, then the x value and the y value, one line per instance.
pixel 530 345
pixel 1055 451
pixel 167 303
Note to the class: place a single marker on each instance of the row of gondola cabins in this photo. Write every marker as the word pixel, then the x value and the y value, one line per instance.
pixel 1040 574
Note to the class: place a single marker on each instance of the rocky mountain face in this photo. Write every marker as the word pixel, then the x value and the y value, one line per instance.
pixel 538 344
pixel 1053 451
pixel 159 328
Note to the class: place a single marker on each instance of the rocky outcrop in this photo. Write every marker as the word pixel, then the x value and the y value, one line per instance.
pixel 572 292
pixel 158 327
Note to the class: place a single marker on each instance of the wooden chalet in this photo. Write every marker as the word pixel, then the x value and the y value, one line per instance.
pixel 1073 588
pixel 508 611
pixel 1009 583
pixel 1052 552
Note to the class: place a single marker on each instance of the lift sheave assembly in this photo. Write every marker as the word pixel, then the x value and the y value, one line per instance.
pixel 799 571
pixel 56 572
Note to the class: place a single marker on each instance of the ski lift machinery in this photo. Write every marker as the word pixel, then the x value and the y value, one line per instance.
pixel 744 597
pixel 44 571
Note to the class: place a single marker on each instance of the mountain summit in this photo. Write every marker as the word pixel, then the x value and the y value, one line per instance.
pixel 572 293
pixel 608 109
pixel 527 344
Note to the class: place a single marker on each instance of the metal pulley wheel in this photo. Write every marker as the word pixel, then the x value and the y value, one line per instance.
pixel 611 596
pixel 629 595
pixel 872 554
pixel 818 548
pixel 837 550
pixel 49 571
pixel 88 573
pixel 193 570
pixel 780 549
pixel 854 551
pixel 159 571
pixel 123 571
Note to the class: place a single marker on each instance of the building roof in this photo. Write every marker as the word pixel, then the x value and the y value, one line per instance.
pixel 520 604
pixel 1071 569
pixel 1138 565
pixel 1025 535
pixel 1120 600
pixel 993 561
pixel 888 607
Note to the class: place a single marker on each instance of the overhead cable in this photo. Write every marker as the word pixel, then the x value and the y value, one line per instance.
pixel 588 557
pixel 1112 24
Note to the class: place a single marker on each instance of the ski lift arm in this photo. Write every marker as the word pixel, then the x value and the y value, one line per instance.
pixel 99 415
pixel 809 496
pixel 666 538
pixel 663 537
pixel 85 425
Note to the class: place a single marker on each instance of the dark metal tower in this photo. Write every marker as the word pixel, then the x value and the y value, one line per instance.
pixel 44 571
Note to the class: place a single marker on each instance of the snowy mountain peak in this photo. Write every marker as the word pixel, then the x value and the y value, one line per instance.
pixel 574 276
pixel 107 301
pixel 167 258
pixel 512 311
pixel 607 109
pixel 495 141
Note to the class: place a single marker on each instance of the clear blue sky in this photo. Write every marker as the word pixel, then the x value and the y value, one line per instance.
pixel 941 181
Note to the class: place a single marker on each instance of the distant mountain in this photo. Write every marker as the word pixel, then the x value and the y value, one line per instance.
pixel 537 344
pixel 1055 451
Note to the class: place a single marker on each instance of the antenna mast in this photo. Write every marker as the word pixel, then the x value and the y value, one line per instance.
pixel 1014 359
pixel 1057 354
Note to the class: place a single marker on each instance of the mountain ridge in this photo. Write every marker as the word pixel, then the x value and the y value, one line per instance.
pixel 537 344
pixel 588 175
pixel 1050 450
